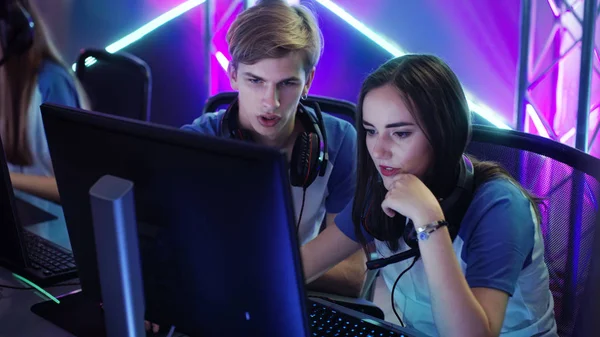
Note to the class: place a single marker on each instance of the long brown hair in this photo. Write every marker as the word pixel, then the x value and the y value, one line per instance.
pixel 437 102
pixel 18 81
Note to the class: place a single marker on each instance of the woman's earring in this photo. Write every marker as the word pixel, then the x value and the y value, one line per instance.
pixel 303 97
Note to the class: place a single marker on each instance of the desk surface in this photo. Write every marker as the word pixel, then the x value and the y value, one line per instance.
pixel 16 318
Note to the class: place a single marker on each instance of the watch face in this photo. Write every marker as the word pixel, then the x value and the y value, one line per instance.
pixel 423 236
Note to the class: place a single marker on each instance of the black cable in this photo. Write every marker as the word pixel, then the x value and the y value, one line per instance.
pixel 16 288
pixel 301 210
pixel 32 288
pixel 394 288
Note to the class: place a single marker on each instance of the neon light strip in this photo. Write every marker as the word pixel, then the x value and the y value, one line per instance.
pixel 554 9
pixel 535 118
pixel 36 287
pixel 223 61
pixel 361 27
pixel 567 135
pixel 476 107
pixel 147 28
pixel 593 117
pixel 152 25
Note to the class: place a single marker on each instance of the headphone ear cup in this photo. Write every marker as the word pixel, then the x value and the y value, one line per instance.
pixel 19 31
pixel 23 42
pixel 305 155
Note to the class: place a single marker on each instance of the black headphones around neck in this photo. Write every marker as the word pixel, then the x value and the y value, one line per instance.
pixel 309 155
pixel 16 30
pixel 454 208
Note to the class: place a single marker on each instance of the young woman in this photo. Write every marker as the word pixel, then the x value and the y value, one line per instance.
pixel 31 73
pixel 480 267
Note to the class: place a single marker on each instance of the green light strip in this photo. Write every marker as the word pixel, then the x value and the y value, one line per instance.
pixel 35 286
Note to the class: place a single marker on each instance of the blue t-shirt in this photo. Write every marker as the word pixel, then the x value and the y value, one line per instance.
pixel 54 85
pixel 499 245
pixel 57 86
pixel 327 194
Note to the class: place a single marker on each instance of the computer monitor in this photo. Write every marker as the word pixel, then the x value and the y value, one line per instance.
pixel 215 222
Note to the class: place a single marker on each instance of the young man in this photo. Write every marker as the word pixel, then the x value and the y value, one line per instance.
pixel 275 48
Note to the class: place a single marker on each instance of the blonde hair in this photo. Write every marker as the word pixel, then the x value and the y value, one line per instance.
pixel 18 80
pixel 274 29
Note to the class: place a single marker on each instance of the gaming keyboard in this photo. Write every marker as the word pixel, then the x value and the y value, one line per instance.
pixel 325 320
pixel 50 262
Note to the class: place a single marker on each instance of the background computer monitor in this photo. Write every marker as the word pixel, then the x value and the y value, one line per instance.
pixel 12 252
pixel 17 240
pixel 215 222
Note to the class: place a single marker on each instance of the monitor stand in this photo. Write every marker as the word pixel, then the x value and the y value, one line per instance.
pixel 115 232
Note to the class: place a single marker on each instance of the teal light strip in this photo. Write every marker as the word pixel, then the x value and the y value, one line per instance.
pixel 395 50
pixel 146 29
pixel 36 287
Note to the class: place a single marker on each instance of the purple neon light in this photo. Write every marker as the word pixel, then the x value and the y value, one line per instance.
pixel 223 61
pixel 535 118
pixel 554 9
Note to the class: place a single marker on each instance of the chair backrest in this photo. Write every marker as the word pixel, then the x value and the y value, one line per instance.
pixel 340 108
pixel 219 101
pixel 117 84
pixel 568 181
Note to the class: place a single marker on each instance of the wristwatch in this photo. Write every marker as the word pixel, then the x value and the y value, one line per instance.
pixel 425 231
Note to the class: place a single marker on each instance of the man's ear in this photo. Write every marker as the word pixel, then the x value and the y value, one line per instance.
pixel 309 78
pixel 232 74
